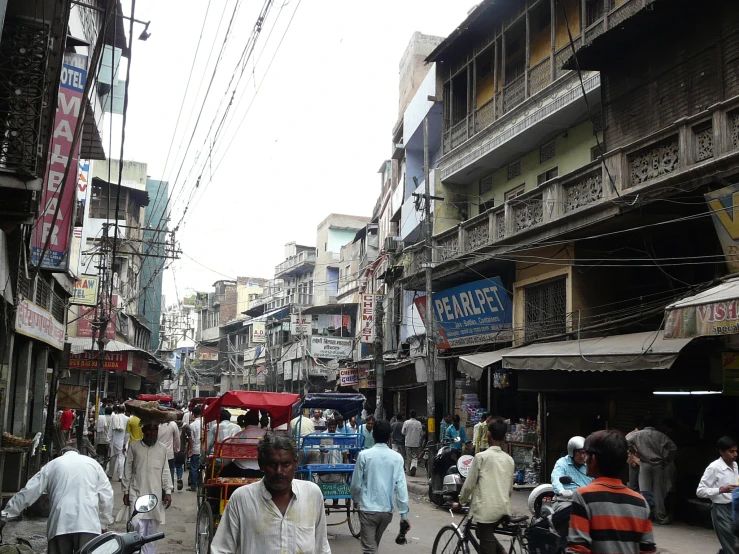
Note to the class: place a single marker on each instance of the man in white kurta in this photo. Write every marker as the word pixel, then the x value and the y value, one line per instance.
pixel 80 496
pixel 147 472
pixel 118 423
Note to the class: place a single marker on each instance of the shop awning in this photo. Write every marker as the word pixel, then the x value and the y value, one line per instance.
pixel 474 364
pixel 633 352
pixel 712 312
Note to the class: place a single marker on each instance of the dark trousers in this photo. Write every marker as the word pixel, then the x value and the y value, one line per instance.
pixel 194 467
pixel 69 543
pixel 372 527
pixel 488 541
pixel 171 468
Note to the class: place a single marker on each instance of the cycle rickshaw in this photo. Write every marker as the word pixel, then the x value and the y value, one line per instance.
pixel 320 453
pixel 214 490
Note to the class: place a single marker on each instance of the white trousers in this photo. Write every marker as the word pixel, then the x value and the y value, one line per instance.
pixel 117 459
pixel 146 527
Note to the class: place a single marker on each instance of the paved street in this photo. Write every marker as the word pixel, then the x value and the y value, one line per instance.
pixel 425 519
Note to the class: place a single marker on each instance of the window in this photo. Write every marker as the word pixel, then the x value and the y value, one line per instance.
pixel 547 152
pixel 485 206
pixel 486 184
pixel 595 152
pixel 515 193
pixel 514 170
pixel 545 309
pixel 598 122
pixel 593 11
pixel 546 176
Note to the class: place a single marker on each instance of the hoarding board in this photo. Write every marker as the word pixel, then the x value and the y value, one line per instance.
pixel 367 323
pixel 469 314
pixel 331 347
pixel 301 325
pixel 349 377
pixel 85 291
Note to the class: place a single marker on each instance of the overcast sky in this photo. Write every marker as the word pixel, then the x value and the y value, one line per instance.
pixel 312 141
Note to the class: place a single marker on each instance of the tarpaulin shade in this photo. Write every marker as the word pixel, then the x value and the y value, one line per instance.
pixel 632 352
pixel 347 405
pixel 279 405
pixel 712 312
pixel 473 364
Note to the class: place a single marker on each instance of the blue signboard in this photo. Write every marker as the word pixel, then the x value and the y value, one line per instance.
pixel 473 313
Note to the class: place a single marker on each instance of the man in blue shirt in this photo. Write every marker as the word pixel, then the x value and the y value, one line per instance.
pixel 454 431
pixel 366 430
pixel 378 476
pixel 572 465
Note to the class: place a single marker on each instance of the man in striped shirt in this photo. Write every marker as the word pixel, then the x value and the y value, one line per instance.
pixel 606 515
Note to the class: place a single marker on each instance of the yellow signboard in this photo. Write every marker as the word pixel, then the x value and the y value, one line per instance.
pixel 86 291
pixel 724 207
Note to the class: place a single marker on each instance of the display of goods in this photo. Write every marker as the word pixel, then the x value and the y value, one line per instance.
pixel 11 441
pixel 153 411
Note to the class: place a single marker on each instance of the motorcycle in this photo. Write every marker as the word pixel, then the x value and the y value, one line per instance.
pixel 548 531
pixel 449 469
pixel 125 543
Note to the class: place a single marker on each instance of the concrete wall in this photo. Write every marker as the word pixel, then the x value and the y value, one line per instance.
pixel 413 68
pixel 134 173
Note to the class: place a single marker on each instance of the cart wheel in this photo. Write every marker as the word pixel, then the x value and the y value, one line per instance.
pixel 204 529
pixel 353 518
pixel 201 487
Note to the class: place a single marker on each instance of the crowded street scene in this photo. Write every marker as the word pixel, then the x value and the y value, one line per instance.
pixel 219 335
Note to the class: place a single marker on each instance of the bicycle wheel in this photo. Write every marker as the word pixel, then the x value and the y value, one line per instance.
pixel 204 529
pixel 353 519
pixel 517 545
pixel 447 541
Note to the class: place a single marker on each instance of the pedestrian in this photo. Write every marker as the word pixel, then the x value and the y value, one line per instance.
pixel 445 423
pixel 488 488
pixel 225 429
pixel 278 513
pixel 102 435
pixel 80 498
pixel 194 453
pixel 133 428
pixel 366 430
pixel 169 437
pixel 147 472
pixel 608 516
pixel 118 424
pixel 185 446
pixel 378 477
pixel 318 421
pixel 717 484
pixel 353 427
pixel 332 454
pixel 480 433
pixel 633 458
pixel 655 450
pixel 456 431
pixel 413 432
pixel 65 425
pixel 397 439
pixel 341 426
pixel 251 434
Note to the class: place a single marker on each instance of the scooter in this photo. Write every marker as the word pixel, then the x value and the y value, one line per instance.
pixel 548 531
pixel 449 469
pixel 125 543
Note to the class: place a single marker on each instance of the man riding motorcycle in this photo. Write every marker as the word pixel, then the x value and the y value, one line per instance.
pixel 572 465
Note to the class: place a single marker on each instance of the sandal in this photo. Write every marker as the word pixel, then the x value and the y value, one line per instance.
pixel 179 484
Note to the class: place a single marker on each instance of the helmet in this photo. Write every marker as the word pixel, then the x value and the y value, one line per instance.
pixel 575 443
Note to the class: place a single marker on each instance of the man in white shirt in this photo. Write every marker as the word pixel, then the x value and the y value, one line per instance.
pixel 102 432
pixel 169 437
pixel 81 501
pixel 318 421
pixel 118 424
pixel 488 486
pixel 413 432
pixel 196 429
pixel 251 435
pixel 278 514
pixel 719 480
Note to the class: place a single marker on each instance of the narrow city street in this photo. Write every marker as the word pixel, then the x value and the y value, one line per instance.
pixel 426 520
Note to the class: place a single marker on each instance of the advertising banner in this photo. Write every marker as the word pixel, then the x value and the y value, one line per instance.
pixel 331 347
pixel 724 207
pixel 367 324
pixel 288 369
pixel 301 325
pixel 257 332
pixel 349 377
pixel 69 108
pixel 35 322
pixel 85 326
pixel 85 291
pixel 473 313
pixel 261 375
pixel 113 361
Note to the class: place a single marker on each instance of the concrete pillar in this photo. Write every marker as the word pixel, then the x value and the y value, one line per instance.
pixel 20 394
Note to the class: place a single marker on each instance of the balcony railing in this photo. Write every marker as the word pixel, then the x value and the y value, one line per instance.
pixel 701 144
pixel 305 257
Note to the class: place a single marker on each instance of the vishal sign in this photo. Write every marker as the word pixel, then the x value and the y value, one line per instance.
pixel 474 313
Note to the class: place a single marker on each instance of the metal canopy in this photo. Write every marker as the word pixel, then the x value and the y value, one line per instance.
pixel 347 405
pixel 632 352
pixel 474 364
pixel 279 405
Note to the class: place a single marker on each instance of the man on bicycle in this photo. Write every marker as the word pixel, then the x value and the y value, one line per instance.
pixel 488 488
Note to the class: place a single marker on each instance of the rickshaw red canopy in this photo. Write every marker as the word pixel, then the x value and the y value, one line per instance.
pixel 279 405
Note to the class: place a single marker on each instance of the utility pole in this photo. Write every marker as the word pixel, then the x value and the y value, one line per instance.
pixel 430 343
pixel 378 357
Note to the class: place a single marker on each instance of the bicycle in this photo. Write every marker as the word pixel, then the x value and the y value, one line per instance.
pixel 457 539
